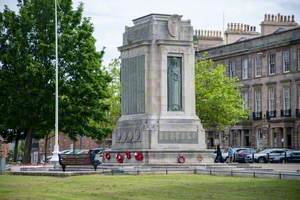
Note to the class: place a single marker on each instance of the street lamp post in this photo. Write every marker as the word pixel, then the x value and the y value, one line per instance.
pixel 55 153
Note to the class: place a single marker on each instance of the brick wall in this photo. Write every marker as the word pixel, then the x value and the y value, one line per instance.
pixel 66 143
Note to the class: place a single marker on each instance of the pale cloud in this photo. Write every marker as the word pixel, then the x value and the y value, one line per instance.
pixel 110 16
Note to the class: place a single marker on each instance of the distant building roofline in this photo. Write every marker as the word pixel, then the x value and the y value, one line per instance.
pixel 250 39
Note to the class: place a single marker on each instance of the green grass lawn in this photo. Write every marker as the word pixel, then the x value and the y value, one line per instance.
pixel 142 187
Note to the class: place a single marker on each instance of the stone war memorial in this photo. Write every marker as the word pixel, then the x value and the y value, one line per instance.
pixel 158 123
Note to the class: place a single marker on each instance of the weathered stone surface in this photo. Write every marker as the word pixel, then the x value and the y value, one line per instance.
pixel 146 122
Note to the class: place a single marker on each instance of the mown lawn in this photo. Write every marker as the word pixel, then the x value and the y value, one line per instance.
pixel 142 187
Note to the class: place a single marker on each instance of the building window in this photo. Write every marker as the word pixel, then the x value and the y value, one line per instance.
pixel 298 58
pixel 271 99
pixel 174 83
pixel 258 65
pixel 257 100
pixel 245 96
pixel 245 68
pixel 286 98
pixel 286 63
pixel 272 63
pixel 231 68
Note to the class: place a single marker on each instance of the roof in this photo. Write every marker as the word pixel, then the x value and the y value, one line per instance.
pixel 280 38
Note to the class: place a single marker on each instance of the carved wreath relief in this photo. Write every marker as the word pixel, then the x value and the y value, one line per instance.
pixel 128 135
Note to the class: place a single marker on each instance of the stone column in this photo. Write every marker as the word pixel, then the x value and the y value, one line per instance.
pixel 293 138
pixel 242 138
pixel 271 137
pixel 284 137
pixel 251 138
pixel 278 137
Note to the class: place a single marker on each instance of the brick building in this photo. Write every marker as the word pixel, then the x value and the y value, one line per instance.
pixel 268 67
pixel 39 147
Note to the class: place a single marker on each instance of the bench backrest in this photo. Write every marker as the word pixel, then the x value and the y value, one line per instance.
pixel 75 159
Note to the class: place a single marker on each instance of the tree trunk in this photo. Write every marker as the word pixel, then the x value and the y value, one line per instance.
pixel 46 147
pixel 74 143
pixel 16 147
pixel 28 145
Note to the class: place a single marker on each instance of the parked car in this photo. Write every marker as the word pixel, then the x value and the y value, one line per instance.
pixel 266 155
pixel 66 151
pixel 98 150
pixel 288 156
pixel 83 151
pixel 293 157
pixel 241 155
pixel 235 151
pixel 279 156
pixel 73 151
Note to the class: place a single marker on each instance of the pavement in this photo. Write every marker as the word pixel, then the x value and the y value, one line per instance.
pixel 278 167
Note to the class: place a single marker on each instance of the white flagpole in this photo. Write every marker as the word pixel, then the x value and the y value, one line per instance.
pixel 56 146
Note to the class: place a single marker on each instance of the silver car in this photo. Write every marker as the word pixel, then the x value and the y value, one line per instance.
pixel 267 155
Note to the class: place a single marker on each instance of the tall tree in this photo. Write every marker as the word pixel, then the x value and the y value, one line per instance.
pixel 114 89
pixel 27 60
pixel 218 100
pixel 26 94
pixel 84 81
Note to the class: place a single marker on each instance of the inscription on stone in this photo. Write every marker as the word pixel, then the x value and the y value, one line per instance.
pixel 133 85
pixel 167 137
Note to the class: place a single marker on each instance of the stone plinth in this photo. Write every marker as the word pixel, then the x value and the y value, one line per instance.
pixel 160 157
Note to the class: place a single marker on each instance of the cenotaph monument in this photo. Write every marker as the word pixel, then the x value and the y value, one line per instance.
pixel 158 123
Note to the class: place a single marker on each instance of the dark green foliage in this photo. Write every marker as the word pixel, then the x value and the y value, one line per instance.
pixel 27 57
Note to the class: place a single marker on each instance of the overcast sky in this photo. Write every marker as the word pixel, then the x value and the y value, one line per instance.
pixel 110 16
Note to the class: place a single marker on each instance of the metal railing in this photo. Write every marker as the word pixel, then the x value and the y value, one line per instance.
pixel 271 114
pixel 286 113
pixel 257 115
pixel 233 173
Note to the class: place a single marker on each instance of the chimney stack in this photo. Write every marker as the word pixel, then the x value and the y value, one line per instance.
pixel 204 39
pixel 272 22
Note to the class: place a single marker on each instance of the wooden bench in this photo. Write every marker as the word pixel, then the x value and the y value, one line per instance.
pixel 78 159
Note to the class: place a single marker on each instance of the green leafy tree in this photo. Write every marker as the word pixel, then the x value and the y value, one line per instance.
pixel 84 81
pixel 218 100
pixel 114 89
pixel 26 72
pixel 27 57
